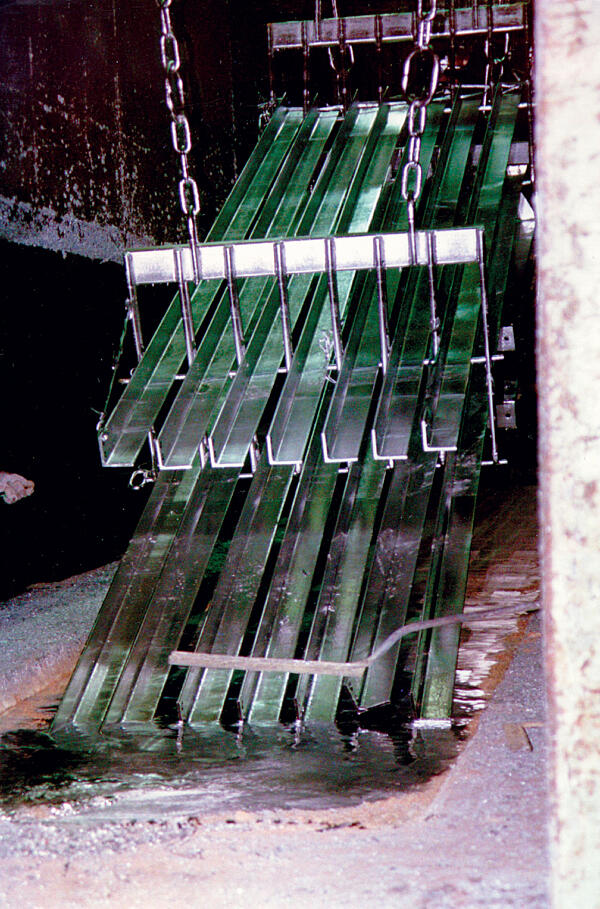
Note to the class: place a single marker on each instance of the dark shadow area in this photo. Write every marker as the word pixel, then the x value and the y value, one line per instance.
pixel 62 318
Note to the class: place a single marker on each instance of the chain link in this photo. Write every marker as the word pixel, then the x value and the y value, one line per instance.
pixel 419 82
pixel 181 137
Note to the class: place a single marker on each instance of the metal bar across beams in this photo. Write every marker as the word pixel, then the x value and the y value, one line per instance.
pixel 392 27
pixel 125 432
pixel 302 256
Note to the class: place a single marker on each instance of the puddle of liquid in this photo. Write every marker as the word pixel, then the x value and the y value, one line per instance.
pixel 160 772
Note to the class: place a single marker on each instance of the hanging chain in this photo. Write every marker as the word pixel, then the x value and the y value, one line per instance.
pixel 419 83
pixel 345 51
pixel 189 197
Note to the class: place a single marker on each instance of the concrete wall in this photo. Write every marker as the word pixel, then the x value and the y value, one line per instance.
pixel 86 163
pixel 568 144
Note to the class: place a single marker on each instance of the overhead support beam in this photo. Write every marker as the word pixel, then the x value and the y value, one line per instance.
pixel 393 27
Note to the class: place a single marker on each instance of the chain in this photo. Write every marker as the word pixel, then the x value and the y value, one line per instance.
pixel 345 51
pixel 419 82
pixel 189 197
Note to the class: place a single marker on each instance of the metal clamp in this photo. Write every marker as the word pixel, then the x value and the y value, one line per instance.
pixel 334 301
pixel 234 303
pixel 288 350
pixel 140 477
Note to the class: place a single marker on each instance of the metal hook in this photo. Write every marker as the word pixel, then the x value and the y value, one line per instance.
pixel 140 477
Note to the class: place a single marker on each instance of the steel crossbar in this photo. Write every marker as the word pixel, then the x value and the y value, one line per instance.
pixel 392 27
pixel 305 255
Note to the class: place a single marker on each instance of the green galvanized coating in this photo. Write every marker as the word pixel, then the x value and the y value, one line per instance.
pixel 448 575
pixel 140 685
pixel 203 694
pixel 456 368
pixel 291 426
pixel 262 694
pixel 243 408
pixel 392 571
pixel 125 431
pixel 208 378
pixel 339 597
pixel 91 686
pixel 395 418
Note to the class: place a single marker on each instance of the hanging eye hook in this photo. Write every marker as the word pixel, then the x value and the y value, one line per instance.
pixel 140 477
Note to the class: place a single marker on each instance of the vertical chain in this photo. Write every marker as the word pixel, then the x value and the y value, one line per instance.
pixel 422 61
pixel 189 197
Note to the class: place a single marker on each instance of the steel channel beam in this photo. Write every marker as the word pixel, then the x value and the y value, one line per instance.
pixel 106 650
pixel 395 417
pixel 262 694
pixel 290 428
pixel 456 367
pixel 141 682
pixel 351 400
pixel 347 562
pixel 203 695
pixel 394 27
pixel 433 683
pixel 201 393
pixel 391 575
pixel 244 407
pixel 125 431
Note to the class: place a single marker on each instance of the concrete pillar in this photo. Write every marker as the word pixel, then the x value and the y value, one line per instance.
pixel 568 169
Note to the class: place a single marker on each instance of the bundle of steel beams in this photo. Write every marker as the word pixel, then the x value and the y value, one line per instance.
pixel 299 408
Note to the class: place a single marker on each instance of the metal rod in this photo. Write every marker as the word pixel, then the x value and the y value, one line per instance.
pixel 286 325
pixel 270 54
pixel 194 246
pixel 353 668
pixel 379 56
pixel 305 70
pixel 186 310
pixel 434 321
pixel 334 301
pixel 234 302
pixel 254 452
pixel 489 51
pixel 382 303
pixel 486 344
pixel 452 60
pixel 412 238
pixel 343 70
pixel 133 309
